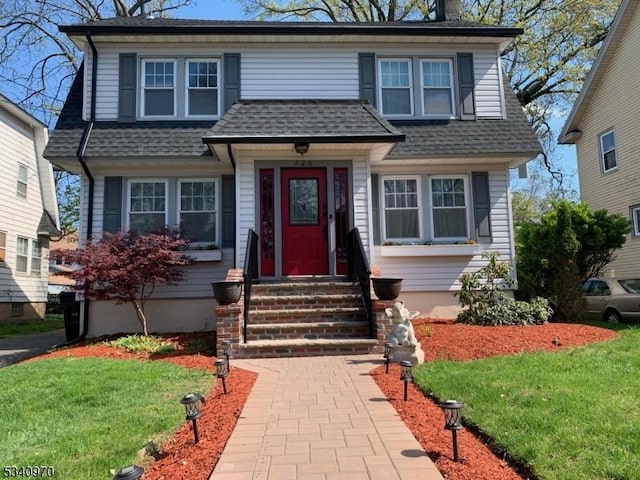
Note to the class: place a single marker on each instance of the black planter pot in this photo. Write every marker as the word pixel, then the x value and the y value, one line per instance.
pixel 227 292
pixel 386 288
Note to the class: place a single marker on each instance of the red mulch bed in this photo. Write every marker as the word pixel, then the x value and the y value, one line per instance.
pixel 444 339
pixel 181 459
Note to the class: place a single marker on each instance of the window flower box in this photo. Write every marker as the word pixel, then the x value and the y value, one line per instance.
pixel 449 250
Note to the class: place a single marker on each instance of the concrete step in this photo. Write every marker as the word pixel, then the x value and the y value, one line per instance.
pixel 305 348
pixel 316 330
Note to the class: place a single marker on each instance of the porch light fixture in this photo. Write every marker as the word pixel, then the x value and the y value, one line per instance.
pixel 192 404
pixel 226 351
pixel 130 472
pixel 222 370
pixel 301 148
pixel 405 376
pixel 453 422
pixel 388 348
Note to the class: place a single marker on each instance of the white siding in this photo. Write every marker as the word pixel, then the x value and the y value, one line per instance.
pixel 361 202
pixel 424 274
pixel 19 216
pixel 488 91
pixel 245 206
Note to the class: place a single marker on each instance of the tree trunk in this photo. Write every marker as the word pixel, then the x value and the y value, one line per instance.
pixel 141 318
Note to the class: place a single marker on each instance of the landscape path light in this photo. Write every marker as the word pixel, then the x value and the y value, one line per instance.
pixel 193 404
pixel 222 370
pixel 226 351
pixel 388 348
pixel 453 422
pixel 405 376
pixel 130 472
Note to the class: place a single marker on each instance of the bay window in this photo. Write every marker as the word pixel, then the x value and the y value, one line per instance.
pixel 202 87
pixel 449 208
pixel 158 85
pixel 401 204
pixel 395 87
pixel 147 205
pixel 198 210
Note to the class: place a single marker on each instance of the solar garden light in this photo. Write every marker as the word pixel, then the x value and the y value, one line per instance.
pixel 192 404
pixel 222 370
pixel 131 472
pixel 226 351
pixel 388 347
pixel 453 422
pixel 405 375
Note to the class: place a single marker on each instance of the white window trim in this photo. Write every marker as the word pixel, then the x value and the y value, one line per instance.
pixel 602 152
pixel 468 206
pixel 187 88
pixel 24 182
pixel 635 216
pixel 147 180
pixel 451 88
pixel 32 252
pixel 381 202
pixel 217 211
pixel 409 61
pixel 28 255
pixel 143 88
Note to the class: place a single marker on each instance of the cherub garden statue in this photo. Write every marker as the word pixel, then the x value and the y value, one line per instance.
pixel 402 336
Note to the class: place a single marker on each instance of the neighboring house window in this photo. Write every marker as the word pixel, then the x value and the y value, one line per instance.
pixel 449 208
pixel 395 87
pixel 202 87
pixel 3 246
pixel 401 208
pixel 608 151
pixel 147 205
pixel 635 220
pixel 22 256
pixel 23 179
pixel 198 210
pixel 437 87
pixel 17 309
pixel 36 257
pixel 158 82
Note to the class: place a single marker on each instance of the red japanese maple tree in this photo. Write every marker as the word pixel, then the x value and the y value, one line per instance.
pixel 127 266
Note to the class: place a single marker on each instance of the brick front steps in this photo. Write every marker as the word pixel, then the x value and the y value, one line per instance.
pixel 307 347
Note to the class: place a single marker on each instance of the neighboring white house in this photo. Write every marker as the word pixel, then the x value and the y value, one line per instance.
pixel 301 132
pixel 604 127
pixel 28 214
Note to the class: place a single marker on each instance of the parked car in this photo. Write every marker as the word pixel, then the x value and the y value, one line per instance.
pixel 612 299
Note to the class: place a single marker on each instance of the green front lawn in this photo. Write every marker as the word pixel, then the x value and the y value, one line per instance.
pixel 50 322
pixel 86 416
pixel 570 415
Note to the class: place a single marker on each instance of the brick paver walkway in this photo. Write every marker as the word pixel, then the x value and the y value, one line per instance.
pixel 320 418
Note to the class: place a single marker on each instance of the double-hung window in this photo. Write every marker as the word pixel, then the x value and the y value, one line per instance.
pixel 159 87
pixel 437 87
pixel 402 219
pixel 635 220
pixel 608 158
pixel 23 180
pixel 36 257
pixel 197 206
pixel 449 208
pixel 395 87
pixel 202 87
pixel 3 246
pixel 147 205
pixel 22 255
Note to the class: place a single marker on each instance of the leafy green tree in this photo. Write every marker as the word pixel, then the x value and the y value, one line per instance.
pixel 569 244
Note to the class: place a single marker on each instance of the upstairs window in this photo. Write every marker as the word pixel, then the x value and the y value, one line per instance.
pixel 395 87
pixel 36 257
pixel 608 158
pixel 197 209
pixel 449 208
pixel 401 208
pixel 437 87
pixel 23 181
pixel 22 255
pixel 158 84
pixel 147 206
pixel 202 88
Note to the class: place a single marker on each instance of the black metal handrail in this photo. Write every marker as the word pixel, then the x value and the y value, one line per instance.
pixel 360 271
pixel 250 274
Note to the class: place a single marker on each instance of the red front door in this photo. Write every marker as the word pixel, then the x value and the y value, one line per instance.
pixel 304 221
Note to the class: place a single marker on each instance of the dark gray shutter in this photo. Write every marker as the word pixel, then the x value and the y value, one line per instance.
pixel 367 73
pixel 112 211
pixel 231 80
pixel 481 205
pixel 127 87
pixel 375 209
pixel 228 210
pixel 466 85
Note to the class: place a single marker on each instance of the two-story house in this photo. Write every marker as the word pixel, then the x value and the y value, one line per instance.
pixel 300 132
pixel 28 214
pixel 603 125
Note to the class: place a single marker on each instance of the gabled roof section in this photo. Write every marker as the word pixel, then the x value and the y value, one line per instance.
pixel 20 113
pixel 47 226
pixel 598 69
pixel 287 121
